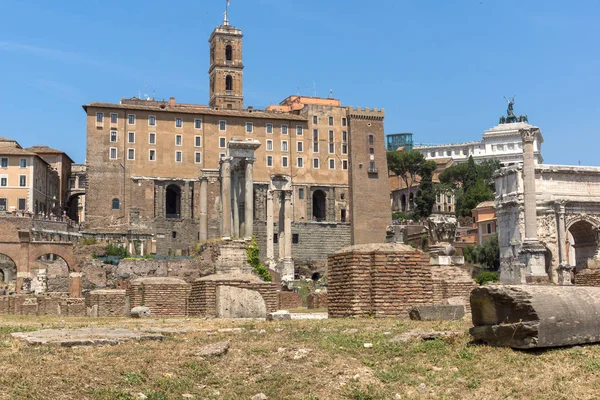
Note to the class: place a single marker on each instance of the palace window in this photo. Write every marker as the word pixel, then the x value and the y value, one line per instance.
pixel 23 163
pixel 178 140
pixel 330 121
pixel 300 162
pixel 300 146
pixel 344 164
pixel 222 143
pixel 222 125
pixel 116 204
pixel 152 138
pixel 316 163
pixel 249 127
pixel 269 128
pixel 113 153
pixel 22 180
pixel 331 163
pixel 331 144
pixel 99 118
pixel 298 130
pixel 269 161
pixel 198 157
pixel 178 122
pixel 315 119
pixel 131 119
pixel 229 83
pixel 284 162
pixel 197 124
pixel 131 137
pixel 284 145
pixel 152 155
pixel 151 120
pixel 315 140
pixel 178 156
pixel 284 130
pixel 114 136
pixel 198 141
pixel 114 118
pixel 269 145
pixel 228 53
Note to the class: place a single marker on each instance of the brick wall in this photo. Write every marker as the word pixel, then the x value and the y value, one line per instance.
pixel 57 304
pixel 164 296
pixel 317 300
pixel 588 277
pixel 289 300
pixel 107 303
pixel 381 280
pixel 203 297
pixel 451 282
pixel 316 240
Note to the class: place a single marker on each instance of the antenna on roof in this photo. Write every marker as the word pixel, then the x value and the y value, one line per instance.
pixel 331 93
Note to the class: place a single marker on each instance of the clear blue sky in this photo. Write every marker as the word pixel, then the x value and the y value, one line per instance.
pixel 440 68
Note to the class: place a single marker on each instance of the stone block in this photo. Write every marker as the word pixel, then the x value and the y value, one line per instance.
pixel 528 316
pixel 437 313
pixel 235 302
pixel 281 315
pixel 140 312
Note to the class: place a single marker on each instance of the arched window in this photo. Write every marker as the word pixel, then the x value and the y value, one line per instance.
pixel 228 82
pixel 403 203
pixel 116 204
pixel 228 53
pixel 173 201
pixel 318 205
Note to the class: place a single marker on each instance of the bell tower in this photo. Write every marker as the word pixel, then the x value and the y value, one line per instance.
pixel 226 67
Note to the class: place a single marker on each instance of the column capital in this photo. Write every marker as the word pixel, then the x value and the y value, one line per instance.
pixel 203 179
pixel 288 194
pixel 528 134
pixel 226 160
pixel 250 160
pixel 270 194
pixel 560 206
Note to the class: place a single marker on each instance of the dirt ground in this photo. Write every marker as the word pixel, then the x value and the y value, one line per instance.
pixel 298 359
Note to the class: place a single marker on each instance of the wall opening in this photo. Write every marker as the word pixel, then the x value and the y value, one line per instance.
pixel 49 273
pixel 229 82
pixel 8 275
pixel 319 210
pixel 228 53
pixel 173 202
pixel 582 244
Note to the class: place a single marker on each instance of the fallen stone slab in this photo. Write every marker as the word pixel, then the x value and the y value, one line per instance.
pixel 83 337
pixel 421 335
pixel 140 312
pixel 437 313
pixel 214 349
pixel 527 316
pixel 281 315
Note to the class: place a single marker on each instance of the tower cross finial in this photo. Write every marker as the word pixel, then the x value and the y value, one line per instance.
pixel 226 19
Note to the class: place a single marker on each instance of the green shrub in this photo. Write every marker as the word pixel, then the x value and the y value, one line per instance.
pixel 116 251
pixel 486 276
pixel 254 261
pixel 89 241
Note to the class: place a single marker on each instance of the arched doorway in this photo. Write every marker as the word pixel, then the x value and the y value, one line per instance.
pixel 582 243
pixel 75 207
pixel 403 203
pixel 49 273
pixel 173 201
pixel 8 275
pixel 319 210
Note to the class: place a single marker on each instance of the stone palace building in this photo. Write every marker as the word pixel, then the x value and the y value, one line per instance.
pixel 302 176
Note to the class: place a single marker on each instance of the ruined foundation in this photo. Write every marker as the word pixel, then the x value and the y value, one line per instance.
pixel 526 317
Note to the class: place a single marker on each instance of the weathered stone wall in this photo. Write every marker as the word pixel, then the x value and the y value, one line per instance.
pixel 452 282
pixel 203 298
pixel 164 296
pixel 317 300
pixel 588 277
pixel 289 300
pixel 316 240
pixel 381 280
pixel 107 303
pixel 57 304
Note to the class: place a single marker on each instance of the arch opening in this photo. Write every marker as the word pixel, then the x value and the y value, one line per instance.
pixel 173 201
pixel 229 83
pixel 403 203
pixel 319 210
pixel 8 275
pixel 49 273
pixel 582 244
pixel 228 53
pixel 411 201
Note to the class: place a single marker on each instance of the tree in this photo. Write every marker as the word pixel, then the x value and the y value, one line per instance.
pixel 406 165
pixel 473 183
pixel 426 197
pixel 486 255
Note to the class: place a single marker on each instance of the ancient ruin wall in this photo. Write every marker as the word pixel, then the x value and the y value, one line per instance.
pixel 317 300
pixel 289 300
pixel 107 303
pixel 57 304
pixel 381 280
pixel 451 282
pixel 588 277
pixel 203 296
pixel 164 296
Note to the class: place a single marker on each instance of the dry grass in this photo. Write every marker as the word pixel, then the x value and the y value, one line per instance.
pixel 336 367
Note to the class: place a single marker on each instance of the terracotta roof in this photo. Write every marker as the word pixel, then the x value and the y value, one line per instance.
pixel 42 149
pixel 165 107
pixel 15 151
pixel 485 204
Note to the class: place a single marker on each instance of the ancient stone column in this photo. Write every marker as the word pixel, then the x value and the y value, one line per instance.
pixel 532 252
pixel 288 263
pixel 75 284
pixel 528 136
pixel 270 256
pixel 564 269
pixel 226 197
pixel 249 202
pixel 236 204
pixel 203 209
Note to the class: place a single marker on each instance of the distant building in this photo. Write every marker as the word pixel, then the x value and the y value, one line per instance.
pixel 484 220
pixel 61 163
pixel 75 206
pixel 403 197
pixel 399 142
pixel 27 181
pixel 502 142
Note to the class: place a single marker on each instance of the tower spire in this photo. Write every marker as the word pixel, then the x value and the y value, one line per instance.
pixel 226 19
